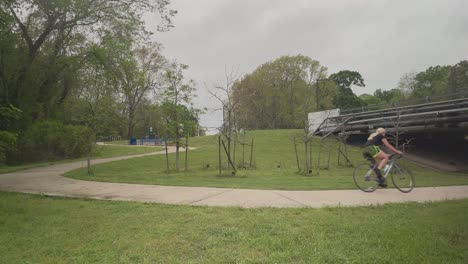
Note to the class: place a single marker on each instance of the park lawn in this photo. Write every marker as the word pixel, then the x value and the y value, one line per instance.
pixel 115 151
pixel 117 142
pixel 274 159
pixel 98 152
pixel 38 229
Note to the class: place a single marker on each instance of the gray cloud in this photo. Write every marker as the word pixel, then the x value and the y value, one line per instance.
pixel 380 39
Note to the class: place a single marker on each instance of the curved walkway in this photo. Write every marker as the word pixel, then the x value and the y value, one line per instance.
pixel 49 181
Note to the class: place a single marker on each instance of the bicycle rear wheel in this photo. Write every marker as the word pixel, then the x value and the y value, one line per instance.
pixel 365 178
pixel 402 178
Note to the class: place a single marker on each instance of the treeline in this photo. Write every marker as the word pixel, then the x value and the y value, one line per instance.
pixel 73 72
pixel 280 93
pixel 448 81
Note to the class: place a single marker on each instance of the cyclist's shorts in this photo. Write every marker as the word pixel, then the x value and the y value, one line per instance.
pixel 371 150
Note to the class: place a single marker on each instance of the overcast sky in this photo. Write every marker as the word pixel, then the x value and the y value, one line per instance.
pixel 380 39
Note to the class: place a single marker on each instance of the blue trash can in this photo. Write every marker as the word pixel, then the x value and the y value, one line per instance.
pixel 133 141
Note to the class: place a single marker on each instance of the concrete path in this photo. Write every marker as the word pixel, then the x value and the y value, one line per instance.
pixel 49 181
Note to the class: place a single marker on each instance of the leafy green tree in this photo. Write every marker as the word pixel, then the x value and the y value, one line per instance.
pixel 280 93
pixel 55 39
pixel 370 99
pixel 432 81
pixel 407 83
pixel 8 115
pixel 47 49
pixel 345 80
pixel 177 104
pixel 458 78
pixel 136 73
pixel 391 96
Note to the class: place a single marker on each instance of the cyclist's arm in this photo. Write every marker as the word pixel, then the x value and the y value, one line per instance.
pixel 388 145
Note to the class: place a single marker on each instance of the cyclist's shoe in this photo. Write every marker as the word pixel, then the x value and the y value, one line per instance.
pixel 377 172
pixel 381 181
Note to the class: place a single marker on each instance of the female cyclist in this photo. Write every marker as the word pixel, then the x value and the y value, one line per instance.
pixel 372 151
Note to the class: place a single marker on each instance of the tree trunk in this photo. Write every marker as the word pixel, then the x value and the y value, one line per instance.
pixel 131 125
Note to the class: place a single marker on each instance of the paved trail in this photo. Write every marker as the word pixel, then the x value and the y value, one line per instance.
pixel 49 181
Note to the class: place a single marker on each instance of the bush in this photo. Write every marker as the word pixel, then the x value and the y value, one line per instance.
pixel 7 144
pixel 51 140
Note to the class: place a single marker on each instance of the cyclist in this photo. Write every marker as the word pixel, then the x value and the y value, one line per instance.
pixel 372 151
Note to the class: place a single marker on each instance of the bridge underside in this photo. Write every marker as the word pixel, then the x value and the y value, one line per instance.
pixel 437 132
pixel 440 116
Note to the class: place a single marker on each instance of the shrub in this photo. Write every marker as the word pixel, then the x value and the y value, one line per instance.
pixel 50 140
pixel 7 143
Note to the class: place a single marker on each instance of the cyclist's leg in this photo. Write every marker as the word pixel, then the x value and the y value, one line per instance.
pixel 383 157
pixel 369 154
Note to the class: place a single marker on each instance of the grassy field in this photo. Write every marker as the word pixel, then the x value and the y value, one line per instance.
pixel 38 229
pixel 275 161
pixel 98 152
pixel 118 142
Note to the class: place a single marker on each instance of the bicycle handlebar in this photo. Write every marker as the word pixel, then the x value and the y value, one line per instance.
pixel 395 156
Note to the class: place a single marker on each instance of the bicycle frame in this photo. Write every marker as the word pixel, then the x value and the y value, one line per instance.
pixel 390 164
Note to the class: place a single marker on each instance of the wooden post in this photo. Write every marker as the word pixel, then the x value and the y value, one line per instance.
pixel 90 172
pixel 397 130
pixel 306 159
pixel 186 153
pixel 339 153
pixel 310 156
pixel 243 151
pixel 234 151
pixel 297 156
pixel 229 158
pixel 319 155
pixel 219 154
pixel 251 153
pixel 167 156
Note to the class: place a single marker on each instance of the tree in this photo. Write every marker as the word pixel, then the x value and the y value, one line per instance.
pixel 458 78
pixel 229 108
pixel 432 81
pixel 370 99
pixel 52 41
pixel 95 102
pixel 280 93
pixel 177 102
pixel 407 83
pixel 136 74
pixel 8 115
pixel 391 96
pixel 345 80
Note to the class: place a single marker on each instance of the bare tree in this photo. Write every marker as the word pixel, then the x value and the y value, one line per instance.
pixel 224 94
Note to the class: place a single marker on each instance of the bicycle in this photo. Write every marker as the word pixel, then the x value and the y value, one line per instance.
pixel 365 178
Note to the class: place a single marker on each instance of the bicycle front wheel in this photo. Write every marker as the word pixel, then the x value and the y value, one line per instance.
pixel 365 178
pixel 402 179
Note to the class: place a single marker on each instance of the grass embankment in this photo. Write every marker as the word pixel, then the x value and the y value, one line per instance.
pixel 275 161
pixel 98 152
pixel 39 229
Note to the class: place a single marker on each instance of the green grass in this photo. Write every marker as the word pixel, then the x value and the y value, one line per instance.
pixel 38 229
pixel 115 151
pixel 275 162
pixel 98 152
pixel 118 142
